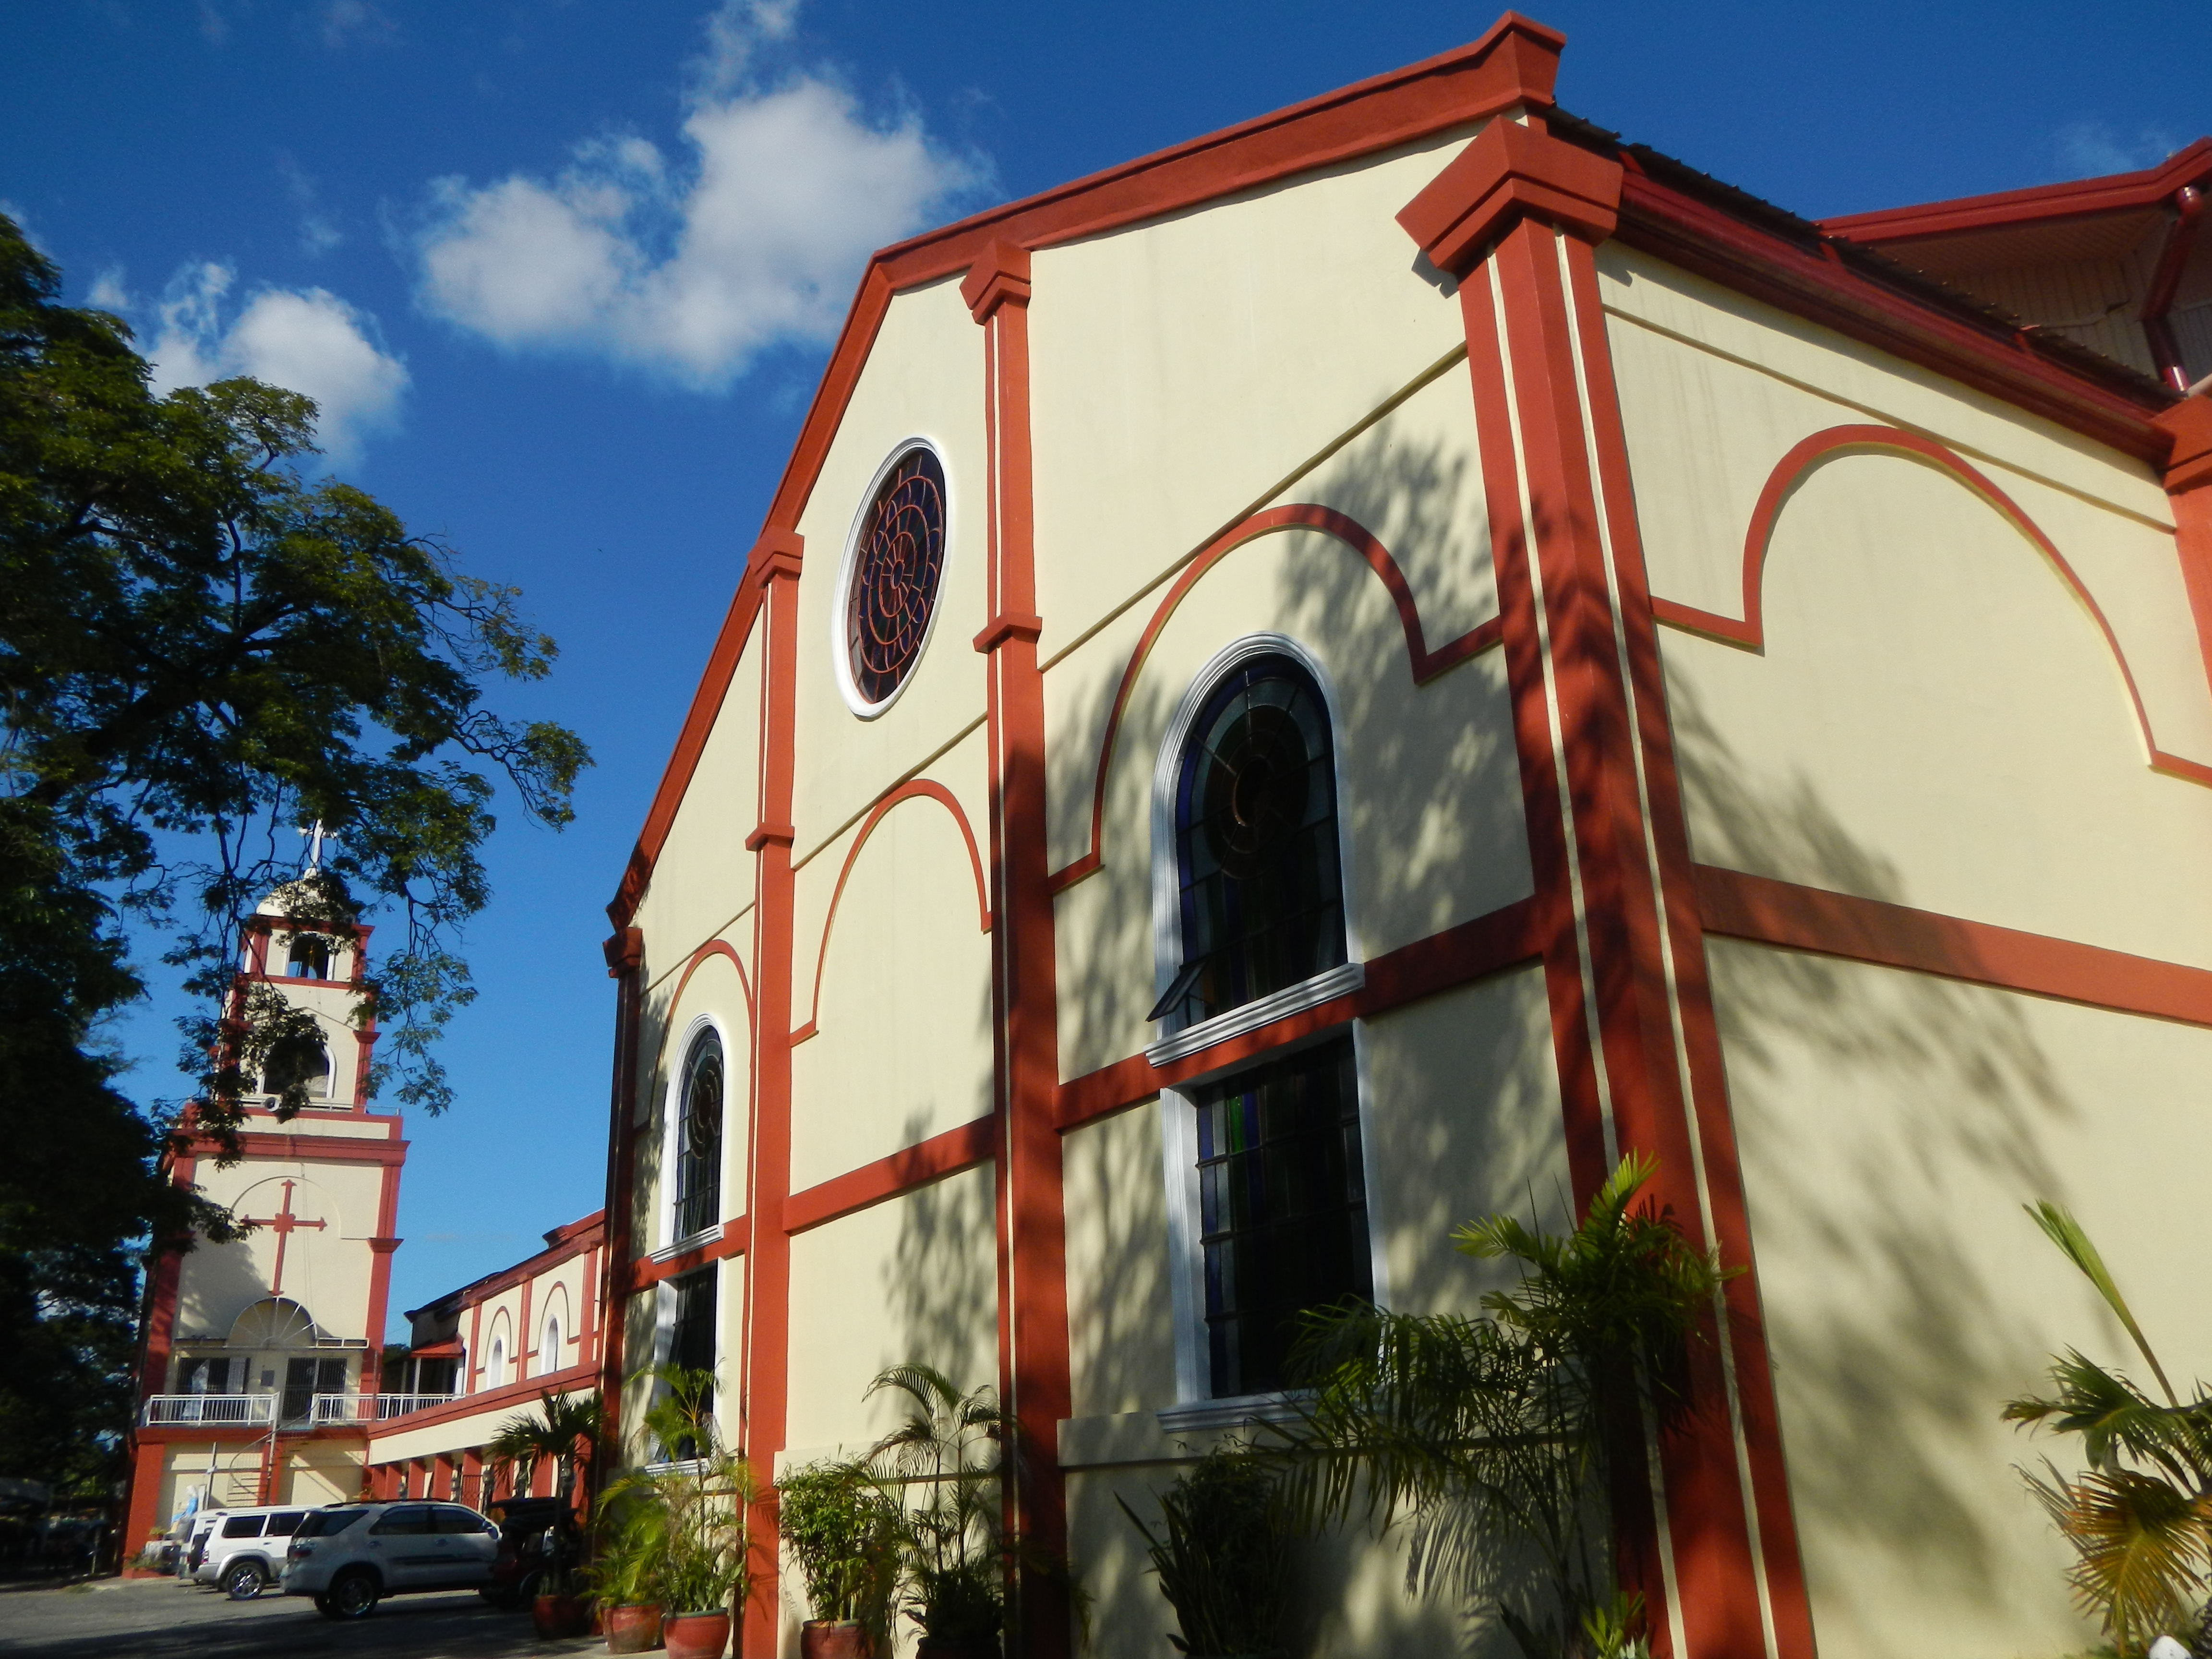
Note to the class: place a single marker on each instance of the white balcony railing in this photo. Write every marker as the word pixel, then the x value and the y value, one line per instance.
pixel 219 1410
pixel 371 1407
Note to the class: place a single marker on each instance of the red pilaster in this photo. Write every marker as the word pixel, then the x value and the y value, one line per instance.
pixel 1033 1361
pixel 1516 216
pixel 765 1366
pixel 625 958
pixel 2188 489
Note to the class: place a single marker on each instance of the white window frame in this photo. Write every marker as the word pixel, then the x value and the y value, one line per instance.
pixel 1167 873
pixel 838 659
pixel 1198 1407
pixel 671 1135
pixel 549 1334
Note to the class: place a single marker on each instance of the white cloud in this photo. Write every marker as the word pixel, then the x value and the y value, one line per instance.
pixel 689 269
pixel 2089 149
pixel 108 292
pixel 307 341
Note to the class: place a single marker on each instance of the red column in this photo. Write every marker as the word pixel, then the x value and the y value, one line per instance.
pixel 764 1367
pixel 625 955
pixel 2189 489
pixel 141 1514
pixel 1516 216
pixel 1033 1361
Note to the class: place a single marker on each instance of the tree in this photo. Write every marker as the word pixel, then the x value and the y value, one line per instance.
pixel 1497 1438
pixel 205 645
pixel 2140 1517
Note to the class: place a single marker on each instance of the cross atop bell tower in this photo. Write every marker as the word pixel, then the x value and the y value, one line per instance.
pixel 258 1370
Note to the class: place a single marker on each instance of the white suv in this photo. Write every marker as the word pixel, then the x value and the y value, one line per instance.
pixel 351 1556
pixel 244 1551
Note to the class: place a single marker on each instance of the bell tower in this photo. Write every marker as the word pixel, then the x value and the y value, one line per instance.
pixel 260 1360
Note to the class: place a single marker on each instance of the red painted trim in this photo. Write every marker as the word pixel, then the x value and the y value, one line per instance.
pixel 763 1370
pixel 322 1149
pixel 713 947
pixel 522 1391
pixel 2011 365
pixel 735 1240
pixel 1840 441
pixel 1796 918
pixel 1489 943
pixel 1726 1206
pixel 1510 172
pixel 581 1238
pixel 768 555
pixel 918 1165
pixel 912 789
pixel 2116 192
pixel 1425 665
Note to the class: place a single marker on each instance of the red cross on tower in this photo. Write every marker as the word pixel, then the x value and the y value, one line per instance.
pixel 283 1222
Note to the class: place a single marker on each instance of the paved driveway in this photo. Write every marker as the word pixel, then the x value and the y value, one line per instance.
pixel 159 1619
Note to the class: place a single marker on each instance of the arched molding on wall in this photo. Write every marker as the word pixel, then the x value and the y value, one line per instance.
pixel 1424 663
pixel 1749 632
pixel 554 1317
pixel 912 789
pixel 498 1344
pixel 712 948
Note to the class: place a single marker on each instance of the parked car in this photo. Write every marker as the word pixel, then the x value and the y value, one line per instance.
pixel 533 1534
pixel 193 1547
pixel 349 1557
pixel 245 1552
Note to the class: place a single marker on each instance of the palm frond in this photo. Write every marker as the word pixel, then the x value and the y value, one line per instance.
pixel 2059 1225
pixel 2138 1541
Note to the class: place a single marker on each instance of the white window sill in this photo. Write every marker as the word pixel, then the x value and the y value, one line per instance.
pixel 704 1237
pixel 1251 1016
pixel 1198 1415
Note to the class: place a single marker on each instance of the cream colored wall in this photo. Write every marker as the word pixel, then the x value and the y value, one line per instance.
pixel 1431 786
pixel 1715 389
pixel 913 1278
pixel 326 1270
pixel 703 881
pixel 901 1048
pixel 1936 721
pixel 1891 1127
pixel 924 378
pixel 1463 1119
pixel 1121 1327
pixel 1184 369
pixel 454 1434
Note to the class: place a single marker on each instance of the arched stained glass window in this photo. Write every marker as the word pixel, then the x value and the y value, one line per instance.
pixel 699 1138
pixel 1262 892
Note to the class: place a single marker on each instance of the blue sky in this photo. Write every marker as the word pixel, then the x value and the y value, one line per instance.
pixel 563 272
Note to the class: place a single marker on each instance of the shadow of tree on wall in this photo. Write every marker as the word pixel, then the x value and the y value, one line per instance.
pixel 1121 1310
pixel 1885 1381
pixel 940 1283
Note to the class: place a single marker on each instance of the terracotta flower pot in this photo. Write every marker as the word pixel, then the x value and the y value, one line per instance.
pixel 633 1630
pixel 834 1638
pixel 696 1634
pixel 557 1616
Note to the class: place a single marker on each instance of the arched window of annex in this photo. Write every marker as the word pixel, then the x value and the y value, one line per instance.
pixel 495 1372
pixel 551 1333
pixel 698 1100
pixel 1249 910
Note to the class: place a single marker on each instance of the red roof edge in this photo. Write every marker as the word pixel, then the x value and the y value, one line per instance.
pixel 2115 192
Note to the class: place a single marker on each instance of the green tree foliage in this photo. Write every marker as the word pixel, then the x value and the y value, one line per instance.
pixel 1225 1562
pixel 204 646
pixel 2140 1517
pixel 1495 1440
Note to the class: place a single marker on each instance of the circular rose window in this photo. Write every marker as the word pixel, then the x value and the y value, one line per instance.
pixel 890 591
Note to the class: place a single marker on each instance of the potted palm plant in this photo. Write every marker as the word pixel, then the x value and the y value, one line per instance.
pixel 842 1529
pixel 625 1574
pixel 701 1490
pixel 948 1456
pixel 1225 1562
pixel 563 1431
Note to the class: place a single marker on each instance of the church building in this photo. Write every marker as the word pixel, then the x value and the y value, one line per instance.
pixel 1341 677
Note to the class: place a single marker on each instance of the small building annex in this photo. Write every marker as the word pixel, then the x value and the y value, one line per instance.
pixel 1419 644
